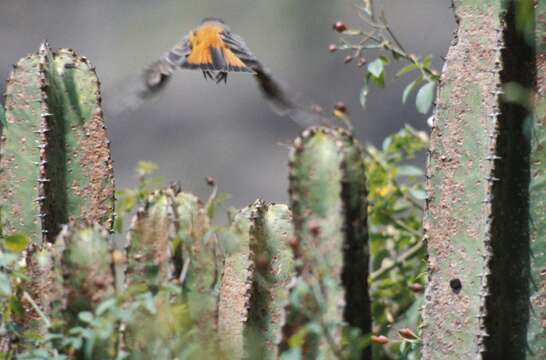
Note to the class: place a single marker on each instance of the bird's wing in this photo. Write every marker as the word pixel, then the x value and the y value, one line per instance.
pixel 238 57
pixel 158 73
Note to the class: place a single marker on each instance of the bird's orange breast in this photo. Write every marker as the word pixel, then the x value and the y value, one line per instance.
pixel 204 38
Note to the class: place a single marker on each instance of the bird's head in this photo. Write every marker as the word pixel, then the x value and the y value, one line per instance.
pixel 212 19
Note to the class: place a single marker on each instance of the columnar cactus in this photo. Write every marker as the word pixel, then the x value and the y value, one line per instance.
pixel 152 231
pixel 536 336
pixel 198 267
pixel 270 236
pixel 254 293
pixel 55 157
pixel 85 255
pixel 476 222
pixel 328 198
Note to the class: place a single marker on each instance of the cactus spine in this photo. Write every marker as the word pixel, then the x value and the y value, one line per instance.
pixel 55 154
pixel 328 198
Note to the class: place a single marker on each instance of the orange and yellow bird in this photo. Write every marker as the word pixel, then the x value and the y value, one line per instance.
pixel 215 50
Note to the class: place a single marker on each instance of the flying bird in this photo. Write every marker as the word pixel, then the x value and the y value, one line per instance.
pixel 212 48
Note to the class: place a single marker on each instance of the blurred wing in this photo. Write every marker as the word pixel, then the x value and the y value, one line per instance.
pixel 157 74
pixel 153 79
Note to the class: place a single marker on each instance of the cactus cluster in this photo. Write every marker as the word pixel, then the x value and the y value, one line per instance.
pixel 176 285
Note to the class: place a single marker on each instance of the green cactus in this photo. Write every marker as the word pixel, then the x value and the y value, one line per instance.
pixel 43 295
pixel 536 335
pixel 86 265
pixel 150 237
pixel 253 293
pixel 196 256
pixel 270 235
pixel 55 160
pixel 65 280
pixel 476 221
pixel 235 291
pixel 328 198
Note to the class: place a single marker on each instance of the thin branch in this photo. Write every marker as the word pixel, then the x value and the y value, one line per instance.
pixel 409 254
pixel 36 308
pixel 402 225
pixel 391 33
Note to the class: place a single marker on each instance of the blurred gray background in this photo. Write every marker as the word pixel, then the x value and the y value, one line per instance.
pixel 197 128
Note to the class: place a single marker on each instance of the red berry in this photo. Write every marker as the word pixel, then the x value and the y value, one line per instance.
pixel 407 333
pixel 379 340
pixel 340 27
pixel 314 228
pixel 348 59
pixel 361 62
pixel 332 48
pixel 211 181
pixel 341 107
pixel 416 288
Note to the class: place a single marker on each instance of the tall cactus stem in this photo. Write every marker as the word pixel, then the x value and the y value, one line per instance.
pixel 55 163
pixel 270 235
pixel 197 268
pixel 235 291
pixel 152 231
pixel 328 198
pixel 536 335
pixel 475 219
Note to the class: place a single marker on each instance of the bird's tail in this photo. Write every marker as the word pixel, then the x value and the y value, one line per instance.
pixel 282 103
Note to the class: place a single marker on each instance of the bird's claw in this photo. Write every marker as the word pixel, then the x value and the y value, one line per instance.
pixel 221 76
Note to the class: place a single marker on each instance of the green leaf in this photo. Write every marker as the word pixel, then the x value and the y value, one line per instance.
pixel 364 94
pixel 105 305
pixel 16 243
pixel 291 354
pixel 384 59
pixel 409 89
pixel 406 69
pixel 8 259
pixel 386 143
pixel 427 61
pixel 376 67
pixel 425 96
pixel 408 170
pixel 5 285
pixel 378 81
pixel 85 316
pixel 395 55
pixel 419 194
pixel 145 168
